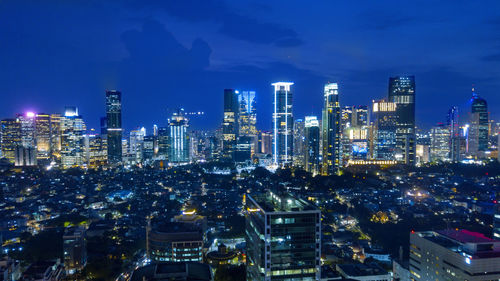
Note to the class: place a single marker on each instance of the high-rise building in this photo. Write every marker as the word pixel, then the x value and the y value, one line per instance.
pixel 95 150
pixel 163 142
pixel 402 93
pixel 361 116
pixel 478 131
pixel 266 142
pixel 11 138
pixel 178 138
pixel 114 126
pixel 247 113
pixel 28 130
pixel 55 136
pixel 282 124
pixel 385 130
pixel 74 249
pixel 282 238
pixel 440 143
pixel 230 127
pixel 43 136
pixel 148 149
pixel 453 255
pixel 331 131
pixel 312 141
pixel 136 144
pixel 453 124
pixel 299 143
pixel 72 139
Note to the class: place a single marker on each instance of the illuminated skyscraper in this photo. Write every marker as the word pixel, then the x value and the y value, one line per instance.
pixel 95 150
pixel 440 143
pixel 312 140
pixel 478 131
pixel 28 130
pixel 385 130
pixel 247 113
pixel 402 92
pixel 230 128
pixel 179 139
pixel 11 138
pixel 43 136
pixel 163 142
pixel 114 126
pixel 299 143
pixel 452 122
pixel 136 144
pixel 266 142
pixel 72 139
pixel 331 137
pixel 282 124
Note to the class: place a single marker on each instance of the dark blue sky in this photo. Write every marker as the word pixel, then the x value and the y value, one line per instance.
pixel 164 54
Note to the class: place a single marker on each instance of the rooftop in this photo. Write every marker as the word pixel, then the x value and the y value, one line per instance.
pixel 280 202
pixel 465 236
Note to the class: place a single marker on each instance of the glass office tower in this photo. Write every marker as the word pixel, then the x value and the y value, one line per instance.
pixel 178 139
pixel 402 92
pixel 478 132
pixel 282 238
pixel 230 128
pixel 332 123
pixel 282 124
pixel 385 130
pixel 114 126
pixel 311 132
pixel 247 113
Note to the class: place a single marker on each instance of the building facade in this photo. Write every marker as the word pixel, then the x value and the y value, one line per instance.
pixel 114 126
pixel 282 124
pixel 453 255
pixel 282 237
pixel 331 131
pixel 402 93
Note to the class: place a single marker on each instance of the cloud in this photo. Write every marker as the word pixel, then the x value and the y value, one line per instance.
pixel 232 24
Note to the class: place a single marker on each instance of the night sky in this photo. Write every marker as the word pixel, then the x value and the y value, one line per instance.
pixel 166 54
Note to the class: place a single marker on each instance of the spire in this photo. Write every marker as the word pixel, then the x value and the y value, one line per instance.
pixel 474 94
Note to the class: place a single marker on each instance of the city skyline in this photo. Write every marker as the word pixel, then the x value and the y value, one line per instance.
pixel 127 60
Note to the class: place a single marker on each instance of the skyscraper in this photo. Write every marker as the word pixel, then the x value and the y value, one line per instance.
pixel 247 113
pixel 385 130
pixel 230 128
pixel 136 144
pixel 311 133
pixel 331 138
pixel 452 122
pixel 43 136
pixel 178 139
pixel 11 137
pixel 402 92
pixel 114 126
pixel 72 139
pixel 440 143
pixel 282 238
pixel 163 142
pixel 282 124
pixel 28 130
pixel 299 144
pixel 478 131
